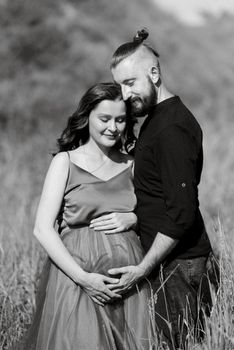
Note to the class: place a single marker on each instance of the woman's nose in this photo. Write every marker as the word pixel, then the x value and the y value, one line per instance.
pixel 112 126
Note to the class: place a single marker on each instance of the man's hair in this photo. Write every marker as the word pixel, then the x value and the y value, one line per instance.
pixel 129 48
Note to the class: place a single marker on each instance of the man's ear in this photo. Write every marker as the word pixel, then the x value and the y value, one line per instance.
pixel 154 75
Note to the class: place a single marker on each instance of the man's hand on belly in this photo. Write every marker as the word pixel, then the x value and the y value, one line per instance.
pixel 130 275
pixel 114 222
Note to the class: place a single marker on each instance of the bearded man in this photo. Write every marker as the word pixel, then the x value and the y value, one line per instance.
pixel 168 166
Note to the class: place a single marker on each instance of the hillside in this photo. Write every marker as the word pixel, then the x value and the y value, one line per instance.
pixel 51 51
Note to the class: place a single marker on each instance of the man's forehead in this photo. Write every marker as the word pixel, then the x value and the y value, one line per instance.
pixel 128 68
pixel 126 65
pixel 122 72
pixel 140 60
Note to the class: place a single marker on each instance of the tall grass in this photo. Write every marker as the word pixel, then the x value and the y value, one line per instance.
pixel 21 262
pixel 219 327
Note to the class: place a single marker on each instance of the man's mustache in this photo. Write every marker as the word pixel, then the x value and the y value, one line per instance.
pixel 131 100
pixel 131 108
pixel 135 99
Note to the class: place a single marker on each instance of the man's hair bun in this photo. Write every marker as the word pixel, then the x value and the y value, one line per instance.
pixel 141 35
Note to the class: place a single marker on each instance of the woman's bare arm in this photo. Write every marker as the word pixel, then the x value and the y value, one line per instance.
pixel 48 209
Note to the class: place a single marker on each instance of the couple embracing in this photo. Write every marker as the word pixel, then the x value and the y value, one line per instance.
pixel 97 284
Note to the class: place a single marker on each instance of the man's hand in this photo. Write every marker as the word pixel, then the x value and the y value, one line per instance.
pixel 130 275
pixel 114 222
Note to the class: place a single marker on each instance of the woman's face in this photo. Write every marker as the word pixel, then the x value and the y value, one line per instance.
pixel 107 122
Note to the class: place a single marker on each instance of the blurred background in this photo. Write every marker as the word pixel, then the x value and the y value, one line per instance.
pixel 51 51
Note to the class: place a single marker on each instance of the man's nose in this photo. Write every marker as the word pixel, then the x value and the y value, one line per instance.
pixel 125 92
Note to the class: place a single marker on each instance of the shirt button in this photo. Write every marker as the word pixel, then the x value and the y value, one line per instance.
pixel 183 184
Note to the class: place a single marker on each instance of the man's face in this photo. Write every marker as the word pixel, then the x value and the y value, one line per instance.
pixel 138 90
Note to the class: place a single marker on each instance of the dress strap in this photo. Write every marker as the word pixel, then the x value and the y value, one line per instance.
pixel 69 160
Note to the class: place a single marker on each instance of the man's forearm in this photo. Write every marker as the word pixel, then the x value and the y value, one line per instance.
pixel 161 247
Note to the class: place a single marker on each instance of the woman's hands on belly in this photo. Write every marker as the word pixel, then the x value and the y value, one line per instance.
pixel 96 286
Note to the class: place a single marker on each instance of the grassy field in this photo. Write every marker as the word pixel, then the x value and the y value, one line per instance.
pixel 50 53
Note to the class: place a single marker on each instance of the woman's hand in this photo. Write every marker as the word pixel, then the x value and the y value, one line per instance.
pixel 114 222
pixel 96 286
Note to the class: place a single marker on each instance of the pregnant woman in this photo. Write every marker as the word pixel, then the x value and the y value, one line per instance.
pixel 77 307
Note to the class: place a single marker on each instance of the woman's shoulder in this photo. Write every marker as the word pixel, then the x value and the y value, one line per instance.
pixel 58 169
pixel 60 161
pixel 61 157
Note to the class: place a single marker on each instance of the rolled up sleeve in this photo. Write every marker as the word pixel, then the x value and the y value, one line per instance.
pixel 176 155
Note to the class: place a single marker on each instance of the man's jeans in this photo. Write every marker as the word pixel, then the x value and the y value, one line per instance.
pixel 182 290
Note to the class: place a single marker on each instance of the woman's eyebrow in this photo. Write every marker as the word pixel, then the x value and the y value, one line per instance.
pixel 103 115
pixel 110 116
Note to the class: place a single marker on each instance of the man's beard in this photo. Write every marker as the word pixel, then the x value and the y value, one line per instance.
pixel 140 106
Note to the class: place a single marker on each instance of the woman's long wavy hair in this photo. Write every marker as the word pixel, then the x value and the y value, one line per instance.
pixel 76 132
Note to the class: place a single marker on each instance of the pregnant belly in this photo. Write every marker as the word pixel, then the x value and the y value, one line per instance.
pixel 98 252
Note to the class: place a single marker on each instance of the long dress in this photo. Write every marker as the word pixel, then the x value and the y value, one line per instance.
pixel 66 318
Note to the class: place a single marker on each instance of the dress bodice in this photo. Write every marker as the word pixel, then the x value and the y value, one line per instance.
pixel 87 197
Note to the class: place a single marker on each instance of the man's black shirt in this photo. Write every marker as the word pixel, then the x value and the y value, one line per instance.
pixel 168 165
